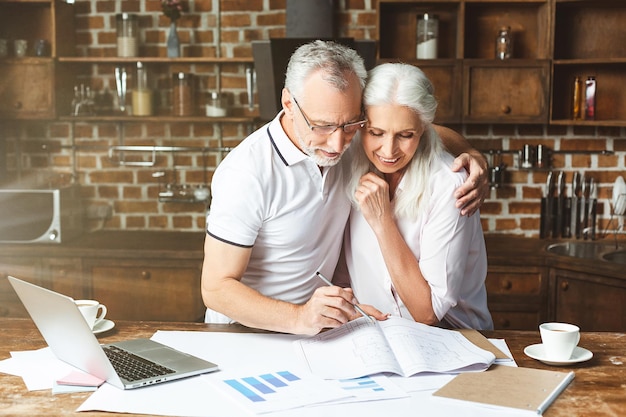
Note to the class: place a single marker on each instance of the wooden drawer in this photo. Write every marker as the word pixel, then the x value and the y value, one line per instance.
pixel 512 281
pixel 497 92
pixel 516 320
pixel 158 290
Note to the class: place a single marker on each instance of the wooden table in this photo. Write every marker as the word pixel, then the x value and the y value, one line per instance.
pixel 599 388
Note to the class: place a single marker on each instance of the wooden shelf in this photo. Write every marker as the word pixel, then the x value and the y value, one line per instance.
pixel 158 118
pixel 149 59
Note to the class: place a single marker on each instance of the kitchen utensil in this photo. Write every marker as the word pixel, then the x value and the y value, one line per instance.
pixel 575 205
pixel 527 156
pixel 120 84
pixel 619 196
pixel 593 201
pixel 557 227
pixel 545 226
pixel 566 230
pixel 250 81
pixel 584 196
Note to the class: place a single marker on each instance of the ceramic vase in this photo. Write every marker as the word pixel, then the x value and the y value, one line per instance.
pixel 173 43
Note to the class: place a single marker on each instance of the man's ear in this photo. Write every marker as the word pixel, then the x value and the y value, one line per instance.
pixel 287 102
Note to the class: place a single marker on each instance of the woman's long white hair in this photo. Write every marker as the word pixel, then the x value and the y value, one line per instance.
pixel 403 85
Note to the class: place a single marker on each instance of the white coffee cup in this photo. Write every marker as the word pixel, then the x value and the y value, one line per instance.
pixel 559 340
pixel 89 310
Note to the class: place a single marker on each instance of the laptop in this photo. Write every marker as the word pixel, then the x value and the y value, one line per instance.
pixel 69 337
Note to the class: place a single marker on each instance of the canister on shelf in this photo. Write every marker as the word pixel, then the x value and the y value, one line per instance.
pixel 427 34
pixel 504 43
pixel 590 98
pixel 127 35
pixel 215 106
pixel 577 99
pixel 142 95
pixel 182 92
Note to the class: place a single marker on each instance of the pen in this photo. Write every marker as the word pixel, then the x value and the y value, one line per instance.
pixel 359 309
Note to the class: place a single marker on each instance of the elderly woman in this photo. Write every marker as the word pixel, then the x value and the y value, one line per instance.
pixel 408 250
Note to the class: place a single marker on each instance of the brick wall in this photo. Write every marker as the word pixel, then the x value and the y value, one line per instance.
pixel 48 155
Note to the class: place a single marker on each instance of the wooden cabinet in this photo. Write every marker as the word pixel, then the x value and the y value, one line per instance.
pixel 25 268
pixel 63 275
pixel 148 289
pixel 593 302
pixel 517 296
pixel 589 41
pixel 554 41
pixel 29 85
pixel 27 88
pixel 493 91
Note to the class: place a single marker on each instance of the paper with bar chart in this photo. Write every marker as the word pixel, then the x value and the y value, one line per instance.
pixel 284 390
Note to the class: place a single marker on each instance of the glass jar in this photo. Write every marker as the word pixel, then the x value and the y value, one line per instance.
pixel 127 35
pixel 182 94
pixel 142 95
pixel 427 34
pixel 215 106
pixel 504 43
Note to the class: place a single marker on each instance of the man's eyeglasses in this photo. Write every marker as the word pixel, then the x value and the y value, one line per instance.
pixel 330 129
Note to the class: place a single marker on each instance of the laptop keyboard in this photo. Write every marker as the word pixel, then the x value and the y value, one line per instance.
pixel 132 367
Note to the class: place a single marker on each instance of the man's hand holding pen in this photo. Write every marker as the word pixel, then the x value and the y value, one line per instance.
pixel 330 307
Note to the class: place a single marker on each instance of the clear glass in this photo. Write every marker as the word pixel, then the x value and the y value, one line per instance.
pixel 142 95
pixel 216 106
pixel 427 34
pixel 127 35
pixel 182 94
pixel 504 43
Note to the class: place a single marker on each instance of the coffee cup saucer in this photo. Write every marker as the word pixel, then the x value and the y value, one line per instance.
pixel 537 352
pixel 104 326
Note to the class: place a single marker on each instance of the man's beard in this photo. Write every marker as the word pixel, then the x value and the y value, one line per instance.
pixel 320 160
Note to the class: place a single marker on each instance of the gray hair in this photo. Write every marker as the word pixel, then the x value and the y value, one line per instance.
pixel 335 59
pixel 404 85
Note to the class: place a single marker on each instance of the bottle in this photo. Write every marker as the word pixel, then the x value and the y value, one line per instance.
pixel 590 98
pixel 182 94
pixel 504 43
pixel 577 99
pixel 427 34
pixel 127 35
pixel 142 95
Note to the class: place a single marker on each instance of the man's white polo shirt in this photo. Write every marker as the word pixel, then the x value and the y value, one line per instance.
pixel 268 195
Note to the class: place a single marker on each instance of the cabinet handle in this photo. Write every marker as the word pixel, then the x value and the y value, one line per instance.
pixel 506 109
pixel 145 274
pixel 564 285
pixel 507 285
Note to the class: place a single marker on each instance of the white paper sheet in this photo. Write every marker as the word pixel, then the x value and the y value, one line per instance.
pixel 39 368
pixel 195 397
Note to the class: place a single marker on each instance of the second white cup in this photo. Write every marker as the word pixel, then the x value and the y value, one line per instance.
pixel 90 309
pixel 559 340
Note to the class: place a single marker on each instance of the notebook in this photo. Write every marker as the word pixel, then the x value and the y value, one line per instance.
pixel 69 337
pixel 508 387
